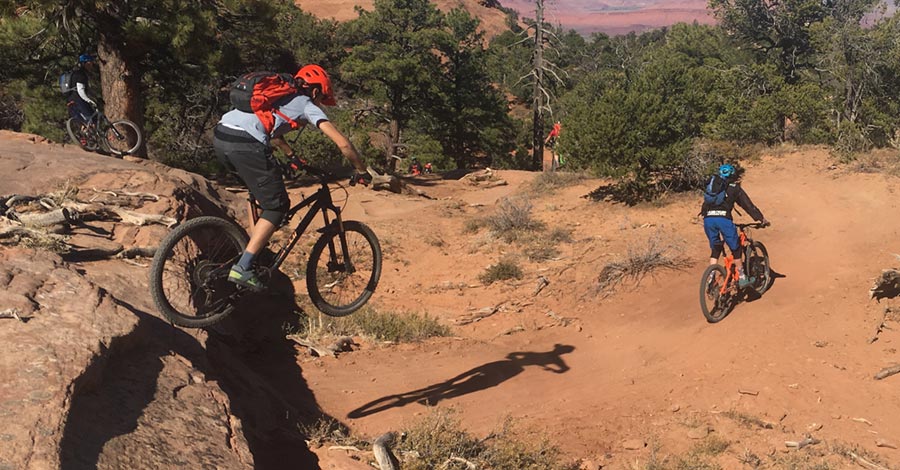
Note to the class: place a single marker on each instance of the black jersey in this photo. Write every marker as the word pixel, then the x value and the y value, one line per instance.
pixel 733 194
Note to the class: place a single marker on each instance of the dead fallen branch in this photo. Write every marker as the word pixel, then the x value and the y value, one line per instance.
pixel 887 286
pixel 342 344
pixel 383 455
pixel 542 283
pixel 318 349
pixel 45 219
pixel 120 193
pixel 97 211
pixel 807 441
pixel 479 315
pixel 11 313
pixel 865 463
pixel 137 252
pixel 881 326
pixel 887 372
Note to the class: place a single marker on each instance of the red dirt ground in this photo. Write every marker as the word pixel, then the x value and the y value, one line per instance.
pixel 643 363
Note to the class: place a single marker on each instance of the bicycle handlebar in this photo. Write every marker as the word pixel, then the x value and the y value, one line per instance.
pixel 753 225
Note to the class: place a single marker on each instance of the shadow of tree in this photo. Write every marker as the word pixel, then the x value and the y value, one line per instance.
pixel 473 380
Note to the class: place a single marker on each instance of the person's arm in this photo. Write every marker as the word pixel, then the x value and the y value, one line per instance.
pixel 82 92
pixel 344 145
pixel 283 146
pixel 744 201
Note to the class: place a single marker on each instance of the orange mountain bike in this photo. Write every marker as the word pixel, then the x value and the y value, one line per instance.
pixel 719 290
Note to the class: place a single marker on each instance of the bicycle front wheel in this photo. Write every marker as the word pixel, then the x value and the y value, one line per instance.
pixel 713 302
pixel 344 268
pixel 758 267
pixel 78 132
pixel 122 137
pixel 189 274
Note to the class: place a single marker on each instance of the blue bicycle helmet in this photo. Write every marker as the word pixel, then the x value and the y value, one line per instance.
pixel 726 171
pixel 85 58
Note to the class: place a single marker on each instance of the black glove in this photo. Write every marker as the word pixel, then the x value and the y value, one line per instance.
pixel 294 166
pixel 361 177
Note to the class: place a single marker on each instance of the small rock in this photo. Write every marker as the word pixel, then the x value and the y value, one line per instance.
pixel 699 433
pixel 814 427
pixel 885 443
pixel 634 444
pixel 197 377
pixel 675 408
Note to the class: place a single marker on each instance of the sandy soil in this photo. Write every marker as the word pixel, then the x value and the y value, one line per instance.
pixel 643 363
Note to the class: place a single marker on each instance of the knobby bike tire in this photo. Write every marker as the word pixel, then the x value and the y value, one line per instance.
pixel 719 305
pixel 75 129
pixel 131 138
pixel 332 290
pixel 209 297
pixel 758 267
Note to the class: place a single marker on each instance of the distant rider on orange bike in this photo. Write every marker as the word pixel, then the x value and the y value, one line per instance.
pixel 720 195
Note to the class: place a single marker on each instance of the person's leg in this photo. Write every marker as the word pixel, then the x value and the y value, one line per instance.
pixel 256 167
pixel 715 241
pixel 733 240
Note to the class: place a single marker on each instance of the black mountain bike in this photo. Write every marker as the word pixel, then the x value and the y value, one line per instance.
pixel 719 290
pixel 189 274
pixel 117 138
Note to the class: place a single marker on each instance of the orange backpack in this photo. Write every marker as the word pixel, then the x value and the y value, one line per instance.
pixel 260 93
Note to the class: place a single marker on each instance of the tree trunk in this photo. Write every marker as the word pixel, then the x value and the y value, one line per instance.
pixel 537 157
pixel 120 83
pixel 393 140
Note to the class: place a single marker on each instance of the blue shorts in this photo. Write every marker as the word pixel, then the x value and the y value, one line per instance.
pixel 717 228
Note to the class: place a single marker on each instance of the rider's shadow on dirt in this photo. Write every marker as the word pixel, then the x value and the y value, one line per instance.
pixel 473 380
pixel 752 295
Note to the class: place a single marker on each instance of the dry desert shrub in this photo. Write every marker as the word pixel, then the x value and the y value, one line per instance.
pixel 512 218
pixel 550 181
pixel 397 327
pixel 505 269
pixel 438 441
pixel 642 259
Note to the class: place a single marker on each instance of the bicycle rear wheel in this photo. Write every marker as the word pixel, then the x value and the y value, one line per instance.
pixel 342 277
pixel 79 134
pixel 713 302
pixel 758 267
pixel 122 137
pixel 189 274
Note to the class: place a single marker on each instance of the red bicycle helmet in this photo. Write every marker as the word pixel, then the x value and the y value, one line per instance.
pixel 315 75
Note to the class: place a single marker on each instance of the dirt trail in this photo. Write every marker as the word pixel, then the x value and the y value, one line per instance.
pixel 801 351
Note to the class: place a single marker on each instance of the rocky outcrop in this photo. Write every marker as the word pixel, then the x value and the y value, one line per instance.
pixel 92 378
pixel 70 387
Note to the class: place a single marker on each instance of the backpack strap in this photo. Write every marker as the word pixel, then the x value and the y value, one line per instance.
pixel 293 123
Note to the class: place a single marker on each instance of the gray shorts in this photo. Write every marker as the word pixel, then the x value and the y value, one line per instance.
pixel 254 163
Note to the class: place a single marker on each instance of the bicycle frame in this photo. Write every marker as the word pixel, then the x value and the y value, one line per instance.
pixel 729 260
pixel 320 201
